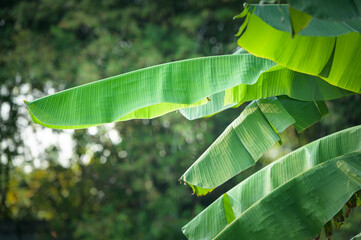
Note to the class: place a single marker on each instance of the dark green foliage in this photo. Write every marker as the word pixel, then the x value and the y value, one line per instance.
pixel 128 190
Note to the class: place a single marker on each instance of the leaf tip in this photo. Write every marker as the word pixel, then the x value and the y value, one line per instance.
pixel 198 191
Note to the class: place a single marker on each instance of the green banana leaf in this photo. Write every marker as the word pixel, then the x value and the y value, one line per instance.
pixel 146 93
pixel 334 59
pixel 347 11
pixel 275 81
pixel 357 237
pixel 281 17
pixel 246 194
pixel 214 106
pixel 247 138
pixel 282 81
pixel 334 10
pixel 198 84
pixel 299 20
pixel 309 200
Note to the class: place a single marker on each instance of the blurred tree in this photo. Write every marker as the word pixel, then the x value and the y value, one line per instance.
pixel 122 189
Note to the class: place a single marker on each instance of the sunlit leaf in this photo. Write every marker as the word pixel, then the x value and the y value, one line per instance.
pixel 299 20
pixel 258 186
pixel 309 200
pixel 148 92
pixel 335 59
pixel 215 105
pixel 275 81
pixel 247 138
pixel 282 81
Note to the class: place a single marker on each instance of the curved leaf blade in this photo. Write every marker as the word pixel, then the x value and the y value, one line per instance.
pixel 310 55
pixel 299 20
pixel 282 81
pixel 309 200
pixel 246 139
pixel 275 81
pixel 150 92
pixel 283 17
pixel 262 183
pixel 329 9
pixel 214 106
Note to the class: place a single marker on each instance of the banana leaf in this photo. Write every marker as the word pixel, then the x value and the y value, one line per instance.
pixel 357 237
pixel 214 106
pixel 334 59
pixel 299 20
pixel 198 84
pixel 246 194
pixel 247 138
pixel 333 10
pixel 275 81
pixel 146 93
pixel 282 81
pixel 283 18
pixel 309 200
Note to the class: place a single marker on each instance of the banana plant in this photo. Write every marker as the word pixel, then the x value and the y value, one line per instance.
pixel 248 137
pixel 334 59
pixel 157 90
pixel 298 56
pixel 261 186
pixel 327 187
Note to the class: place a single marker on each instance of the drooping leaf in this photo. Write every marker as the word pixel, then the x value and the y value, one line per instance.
pixel 275 81
pixel 309 200
pixel 247 138
pixel 298 109
pixel 283 17
pixel 148 92
pixel 334 10
pixel 282 81
pixel 215 105
pixel 211 221
pixel 335 59
pixel 299 20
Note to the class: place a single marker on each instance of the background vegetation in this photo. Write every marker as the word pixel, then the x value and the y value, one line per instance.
pixel 120 180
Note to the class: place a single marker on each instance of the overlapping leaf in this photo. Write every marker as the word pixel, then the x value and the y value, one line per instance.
pixel 247 138
pixel 335 59
pixel 309 200
pixel 275 81
pixel 260 185
pixel 333 10
pixel 281 17
pixel 148 92
pixel 154 91
pixel 282 81
pixel 330 10
pixel 215 105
